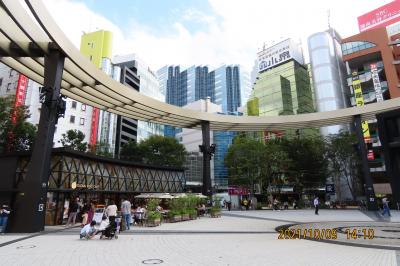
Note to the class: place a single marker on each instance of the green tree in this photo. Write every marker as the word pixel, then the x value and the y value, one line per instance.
pixel 276 163
pixel 163 151
pixel 73 139
pixel 156 150
pixel 132 152
pixel 245 160
pixel 101 149
pixel 344 161
pixel 308 166
pixel 15 133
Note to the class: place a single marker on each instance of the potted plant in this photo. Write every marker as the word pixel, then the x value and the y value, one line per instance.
pixel 215 210
pixel 185 214
pixel 153 218
pixel 192 214
pixel 174 216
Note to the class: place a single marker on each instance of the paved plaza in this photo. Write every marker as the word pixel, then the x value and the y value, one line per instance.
pixel 237 238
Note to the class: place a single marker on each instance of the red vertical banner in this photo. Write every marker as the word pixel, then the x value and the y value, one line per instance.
pixel 94 126
pixel 20 94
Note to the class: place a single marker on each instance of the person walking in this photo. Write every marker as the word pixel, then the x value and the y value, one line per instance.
pixel 111 211
pixel 294 204
pixel 4 213
pixel 286 205
pixel 91 212
pixel 126 212
pixel 73 211
pixel 316 205
pixel 386 208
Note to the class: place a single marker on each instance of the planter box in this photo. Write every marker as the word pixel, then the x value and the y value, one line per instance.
pixel 152 223
pixel 185 217
pixel 176 218
pixel 215 214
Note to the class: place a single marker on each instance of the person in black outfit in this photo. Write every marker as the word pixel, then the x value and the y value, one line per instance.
pixel 73 211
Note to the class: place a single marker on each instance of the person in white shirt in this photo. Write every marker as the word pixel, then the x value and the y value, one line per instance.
pixel 316 205
pixel 111 211
pixel 126 212
pixel 88 231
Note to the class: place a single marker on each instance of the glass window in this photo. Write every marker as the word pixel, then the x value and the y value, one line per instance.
pixel 73 105
pixel 1 81
pixel 320 56
pixel 352 47
pixel 8 87
pixel 72 119
pixel 322 73
pixel 83 107
pixel 82 121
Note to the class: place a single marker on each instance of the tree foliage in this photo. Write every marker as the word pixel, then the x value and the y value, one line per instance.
pixel 101 148
pixel 156 150
pixel 16 134
pixel 74 139
pixel 308 166
pixel 344 159
pixel 297 161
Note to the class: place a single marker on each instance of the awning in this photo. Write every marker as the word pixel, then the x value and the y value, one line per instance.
pixel 382 188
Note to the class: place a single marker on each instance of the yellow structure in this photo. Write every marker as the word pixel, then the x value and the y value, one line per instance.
pixel 96 46
pixel 360 102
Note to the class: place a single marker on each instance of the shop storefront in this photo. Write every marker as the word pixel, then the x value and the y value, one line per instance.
pixel 91 178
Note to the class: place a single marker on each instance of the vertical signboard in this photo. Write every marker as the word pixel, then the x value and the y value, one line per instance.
pixel 94 126
pixel 20 94
pixel 360 102
pixel 377 83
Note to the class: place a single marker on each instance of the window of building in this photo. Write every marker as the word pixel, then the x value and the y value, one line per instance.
pixel 83 107
pixel 11 73
pixel 91 57
pixel 1 82
pixel 72 119
pixel 82 121
pixel 352 47
pixel 73 105
pixel 8 87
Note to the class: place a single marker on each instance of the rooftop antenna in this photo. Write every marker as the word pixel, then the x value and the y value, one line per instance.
pixel 329 19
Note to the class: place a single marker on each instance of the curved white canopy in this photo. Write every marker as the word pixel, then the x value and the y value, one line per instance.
pixel 27 31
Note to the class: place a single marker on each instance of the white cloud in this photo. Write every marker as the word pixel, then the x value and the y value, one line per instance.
pixel 234 38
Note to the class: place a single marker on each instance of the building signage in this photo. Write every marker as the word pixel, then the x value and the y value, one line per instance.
pixel 94 126
pixel 370 155
pixel 236 190
pixel 20 93
pixel 330 188
pixel 278 54
pixel 360 102
pixel 380 17
pixel 75 185
pixel 377 83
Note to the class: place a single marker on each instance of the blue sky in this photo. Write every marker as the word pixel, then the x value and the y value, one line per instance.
pixel 158 15
pixel 205 32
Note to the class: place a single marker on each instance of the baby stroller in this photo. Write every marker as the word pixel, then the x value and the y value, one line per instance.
pixel 111 231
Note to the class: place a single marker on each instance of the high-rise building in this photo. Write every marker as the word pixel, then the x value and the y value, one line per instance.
pixel 149 86
pixel 228 88
pixel 372 76
pixel 97 46
pixel 283 83
pixel 26 92
pixel 192 138
pixel 328 75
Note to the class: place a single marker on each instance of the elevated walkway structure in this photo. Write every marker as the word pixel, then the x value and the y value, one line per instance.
pixel 33 44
